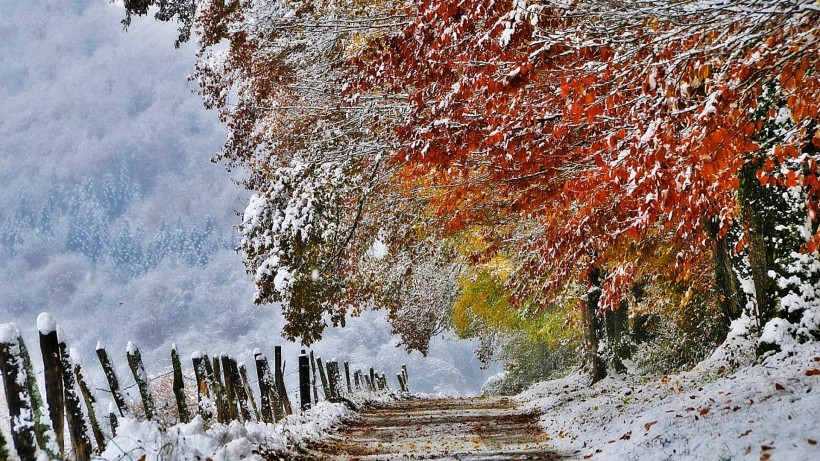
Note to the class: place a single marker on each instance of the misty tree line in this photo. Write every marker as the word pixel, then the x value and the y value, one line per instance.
pixel 91 219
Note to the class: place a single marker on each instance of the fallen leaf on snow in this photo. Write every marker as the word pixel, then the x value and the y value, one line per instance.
pixel 649 425
pixel 811 441
pixel 779 387
pixel 813 372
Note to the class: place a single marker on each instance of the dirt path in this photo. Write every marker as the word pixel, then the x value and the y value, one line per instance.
pixel 452 429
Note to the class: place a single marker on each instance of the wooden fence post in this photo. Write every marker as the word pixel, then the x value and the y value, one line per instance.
pixel 304 381
pixel 406 377
pixel 243 374
pixel 42 430
pixel 112 419
pixel 356 381
pixel 323 377
pixel 280 381
pixel 53 375
pixel 90 400
pixel 313 379
pixel 222 413
pixel 77 429
pixel 239 391
pixel 337 377
pixel 179 387
pixel 203 386
pixel 132 352
pixel 400 379
pixel 16 385
pixel 331 382
pixel 269 401
pixel 230 391
pixel 111 377
pixel 347 378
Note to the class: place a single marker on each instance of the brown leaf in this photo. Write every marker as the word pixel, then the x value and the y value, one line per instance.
pixel 626 436
pixel 779 387
pixel 703 411
pixel 765 456
pixel 813 372
pixel 811 441
pixel 649 425
pixel 766 447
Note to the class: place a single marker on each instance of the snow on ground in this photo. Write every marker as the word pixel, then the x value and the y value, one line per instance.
pixel 761 411
pixel 235 441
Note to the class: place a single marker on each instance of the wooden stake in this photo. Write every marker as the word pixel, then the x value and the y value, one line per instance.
pixel 179 387
pixel 112 419
pixel 42 430
pixel 230 392
pixel 241 397
pixel 243 373
pixel 313 379
pixel 132 352
pixel 113 381
pixel 77 428
pixel 262 374
pixel 203 386
pixel 304 381
pixel 323 377
pixel 222 414
pixel 53 375
pixel 280 381
pixel 90 400
pixel 347 378
pixel 16 385
pixel 331 382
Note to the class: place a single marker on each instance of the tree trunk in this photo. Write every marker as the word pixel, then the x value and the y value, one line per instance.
pixel 592 325
pixel 753 202
pixel 732 297
pixel 617 332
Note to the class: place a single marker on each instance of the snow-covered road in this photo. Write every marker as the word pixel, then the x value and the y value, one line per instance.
pixel 463 429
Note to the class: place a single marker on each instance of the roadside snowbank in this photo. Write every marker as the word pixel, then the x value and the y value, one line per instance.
pixel 771 409
pixel 220 442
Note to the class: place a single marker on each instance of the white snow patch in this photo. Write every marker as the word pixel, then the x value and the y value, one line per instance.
pixel 704 413
pixel 8 333
pixel 46 323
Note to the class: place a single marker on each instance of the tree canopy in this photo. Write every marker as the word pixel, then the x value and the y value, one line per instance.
pixel 598 148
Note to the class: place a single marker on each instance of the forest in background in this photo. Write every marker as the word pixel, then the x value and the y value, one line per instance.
pixel 108 180
pixel 527 173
